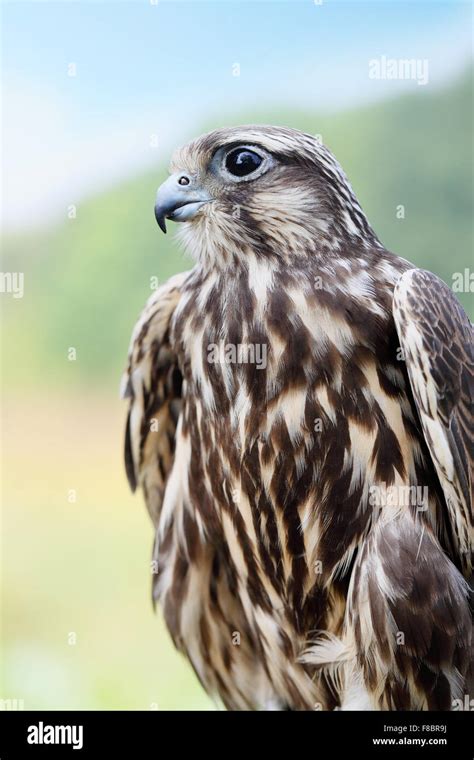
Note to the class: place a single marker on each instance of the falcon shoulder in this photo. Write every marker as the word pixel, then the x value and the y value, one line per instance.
pixel 152 383
pixel 436 338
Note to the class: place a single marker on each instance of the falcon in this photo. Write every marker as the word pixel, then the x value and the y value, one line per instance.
pixel 300 424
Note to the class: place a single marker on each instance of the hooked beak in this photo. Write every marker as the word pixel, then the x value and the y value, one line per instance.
pixel 179 199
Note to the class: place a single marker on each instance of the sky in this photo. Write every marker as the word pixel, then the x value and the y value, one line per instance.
pixel 94 92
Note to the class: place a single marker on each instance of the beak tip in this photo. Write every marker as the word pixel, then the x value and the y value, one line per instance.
pixel 160 218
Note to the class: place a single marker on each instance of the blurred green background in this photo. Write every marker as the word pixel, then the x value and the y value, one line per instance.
pixel 78 630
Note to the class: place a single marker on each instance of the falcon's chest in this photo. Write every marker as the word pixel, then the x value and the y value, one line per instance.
pixel 255 353
pixel 292 381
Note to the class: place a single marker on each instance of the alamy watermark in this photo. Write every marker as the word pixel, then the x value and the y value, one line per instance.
pixel 238 353
pixel 48 734
pixel 12 704
pixel 416 69
pixel 399 496
pixel 463 282
pixel 12 282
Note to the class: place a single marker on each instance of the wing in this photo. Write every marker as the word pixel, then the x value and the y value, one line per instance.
pixel 152 382
pixel 437 341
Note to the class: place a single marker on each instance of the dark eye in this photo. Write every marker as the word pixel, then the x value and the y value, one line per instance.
pixel 241 161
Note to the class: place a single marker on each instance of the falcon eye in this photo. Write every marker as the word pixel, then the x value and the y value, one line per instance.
pixel 241 162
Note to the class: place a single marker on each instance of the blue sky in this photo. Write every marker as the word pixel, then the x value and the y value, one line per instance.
pixel 150 75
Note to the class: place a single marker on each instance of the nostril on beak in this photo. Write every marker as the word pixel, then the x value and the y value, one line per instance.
pixel 179 198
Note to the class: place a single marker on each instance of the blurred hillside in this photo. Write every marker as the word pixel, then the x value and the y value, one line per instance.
pixel 87 278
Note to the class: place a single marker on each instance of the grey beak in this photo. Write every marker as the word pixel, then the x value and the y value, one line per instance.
pixel 179 199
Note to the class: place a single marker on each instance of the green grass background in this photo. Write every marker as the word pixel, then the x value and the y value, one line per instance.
pixel 83 567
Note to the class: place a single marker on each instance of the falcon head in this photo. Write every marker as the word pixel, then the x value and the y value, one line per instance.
pixel 268 189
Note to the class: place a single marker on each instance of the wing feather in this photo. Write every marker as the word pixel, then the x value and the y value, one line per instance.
pixel 152 383
pixel 437 341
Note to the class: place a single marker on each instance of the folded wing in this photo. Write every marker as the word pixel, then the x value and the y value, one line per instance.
pixel 152 383
pixel 436 337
